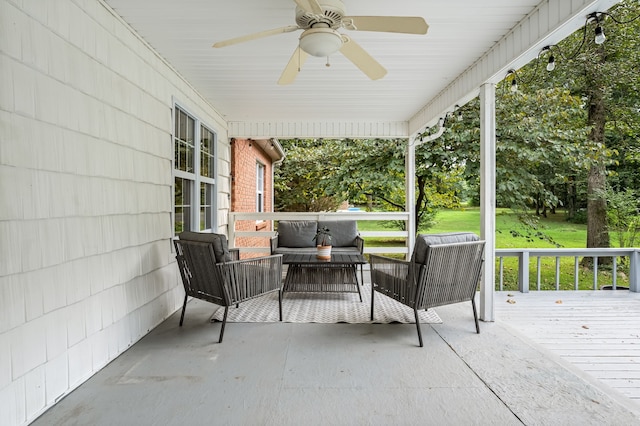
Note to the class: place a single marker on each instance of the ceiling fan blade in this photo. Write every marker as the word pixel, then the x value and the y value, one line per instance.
pixel 363 60
pixel 255 36
pixel 293 67
pixel 387 24
pixel 311 6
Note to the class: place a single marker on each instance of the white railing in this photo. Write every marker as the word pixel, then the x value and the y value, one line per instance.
pixel 236 217
pixel 524 257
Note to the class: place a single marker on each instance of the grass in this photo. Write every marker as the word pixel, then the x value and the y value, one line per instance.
pixel 555 229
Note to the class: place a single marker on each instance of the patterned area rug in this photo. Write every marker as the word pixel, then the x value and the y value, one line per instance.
pixel 325 308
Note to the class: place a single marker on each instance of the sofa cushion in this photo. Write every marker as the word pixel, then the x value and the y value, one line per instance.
pixel 423 241
pixel 219 241
pixel 295 250
pixel 345 250
pixel 343 232
pixel 297 233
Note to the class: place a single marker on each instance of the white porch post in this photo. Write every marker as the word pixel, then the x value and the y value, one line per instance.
pixel 410 191
pixel 488 197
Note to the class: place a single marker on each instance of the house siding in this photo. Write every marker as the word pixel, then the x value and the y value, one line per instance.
pixel 245 157
pixel 86 262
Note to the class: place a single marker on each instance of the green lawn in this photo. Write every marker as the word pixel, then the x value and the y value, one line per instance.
pixel 555 227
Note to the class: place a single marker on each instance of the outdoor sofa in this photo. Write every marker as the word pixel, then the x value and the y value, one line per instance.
pixel 297 236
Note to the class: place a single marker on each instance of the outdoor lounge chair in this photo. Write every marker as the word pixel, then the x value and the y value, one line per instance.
pixel 444 269
pixel 208 273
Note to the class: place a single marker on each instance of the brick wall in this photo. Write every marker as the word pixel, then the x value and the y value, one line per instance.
pixel 245 155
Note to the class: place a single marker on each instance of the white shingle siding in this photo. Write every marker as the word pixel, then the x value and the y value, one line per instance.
pixel 86 264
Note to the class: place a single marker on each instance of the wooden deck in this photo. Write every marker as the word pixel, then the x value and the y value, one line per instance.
pixel 596 331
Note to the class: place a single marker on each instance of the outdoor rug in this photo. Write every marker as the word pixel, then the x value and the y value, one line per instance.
pixel 325 308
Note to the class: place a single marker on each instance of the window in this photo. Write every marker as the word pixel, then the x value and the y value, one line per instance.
pixel 194 174
pixel 259 187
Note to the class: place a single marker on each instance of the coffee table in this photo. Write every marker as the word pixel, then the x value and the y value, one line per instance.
pixel 306 273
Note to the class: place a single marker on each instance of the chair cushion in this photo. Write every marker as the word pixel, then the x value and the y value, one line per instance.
pixel 297 233
pixel 423 241
pixel 343 232
pixel 219 241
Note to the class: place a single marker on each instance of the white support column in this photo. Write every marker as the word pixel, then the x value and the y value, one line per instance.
pixel 410 191
pixel 634 272
pixel 488 197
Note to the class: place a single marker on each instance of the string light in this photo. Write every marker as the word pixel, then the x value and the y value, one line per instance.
pixel 442 123
pixel 514 80
pixel 599 39
pixel 551 65
pixel 459 116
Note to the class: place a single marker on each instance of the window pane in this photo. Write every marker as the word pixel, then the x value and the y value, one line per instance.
pixel 259 187
pixel 182 202
pixel 259 203
pixel 184 144
pixel 206 204
pixel 207 165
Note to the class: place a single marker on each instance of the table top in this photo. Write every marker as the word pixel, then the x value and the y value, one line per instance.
pixel 336 258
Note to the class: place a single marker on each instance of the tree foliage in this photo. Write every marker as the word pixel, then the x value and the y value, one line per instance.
pixel 605 78
pixel 299 181
pixel 623 216
pixel 368 172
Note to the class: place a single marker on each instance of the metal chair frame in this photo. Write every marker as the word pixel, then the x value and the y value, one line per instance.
pixel 450 274
pixel 228 283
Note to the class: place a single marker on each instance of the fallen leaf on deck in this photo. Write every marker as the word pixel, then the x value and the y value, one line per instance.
pixel 559 302
pixel 509 295
pixel 585 326
pixel 511 301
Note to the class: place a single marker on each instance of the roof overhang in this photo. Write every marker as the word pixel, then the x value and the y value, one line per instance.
pixel 272 148
pixel 469 43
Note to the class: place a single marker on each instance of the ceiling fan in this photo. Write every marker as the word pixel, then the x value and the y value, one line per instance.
pixel 320 20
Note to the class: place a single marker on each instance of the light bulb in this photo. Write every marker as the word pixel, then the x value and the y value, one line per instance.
pixel 600 38
pixel 514 85
pixel 552 63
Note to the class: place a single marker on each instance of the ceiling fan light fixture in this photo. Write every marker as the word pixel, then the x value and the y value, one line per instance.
pixel 321 42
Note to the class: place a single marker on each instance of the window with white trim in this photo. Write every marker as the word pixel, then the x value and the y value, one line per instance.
pixel 259 187
pixel 194 174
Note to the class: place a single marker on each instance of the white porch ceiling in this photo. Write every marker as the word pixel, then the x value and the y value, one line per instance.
pixel 469 42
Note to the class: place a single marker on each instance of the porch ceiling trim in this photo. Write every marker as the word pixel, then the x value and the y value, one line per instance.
pixel 311 129
pixel 548 24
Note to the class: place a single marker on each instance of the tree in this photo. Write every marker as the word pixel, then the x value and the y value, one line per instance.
pixel 541 148
pixel 540 144
pixel 296 182
pixel 605 76
pixel 623 216
pixel 369 171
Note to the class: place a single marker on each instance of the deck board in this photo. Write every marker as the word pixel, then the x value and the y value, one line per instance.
pixel 596 331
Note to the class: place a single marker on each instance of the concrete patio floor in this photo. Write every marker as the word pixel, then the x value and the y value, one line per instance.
pixel 371 374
